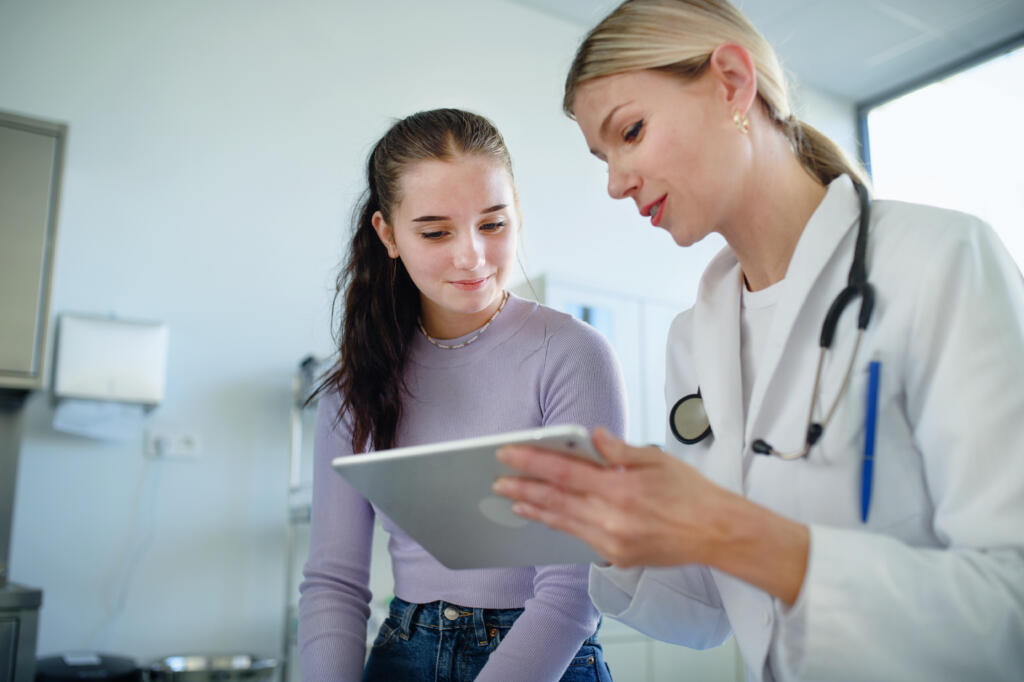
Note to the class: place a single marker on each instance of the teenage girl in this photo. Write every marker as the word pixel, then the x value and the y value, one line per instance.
pixel 432 348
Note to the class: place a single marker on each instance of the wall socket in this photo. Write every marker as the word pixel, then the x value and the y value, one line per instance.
pixel 164 443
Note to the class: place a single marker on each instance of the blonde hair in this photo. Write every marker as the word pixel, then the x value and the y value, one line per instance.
pixel 678 37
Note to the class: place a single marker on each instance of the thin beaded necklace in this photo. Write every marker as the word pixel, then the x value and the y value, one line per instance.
pixel 465 343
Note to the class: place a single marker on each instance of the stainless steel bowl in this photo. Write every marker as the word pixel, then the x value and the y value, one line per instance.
pixel 204 668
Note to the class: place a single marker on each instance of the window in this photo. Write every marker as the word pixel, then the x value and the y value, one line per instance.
pixel 958 143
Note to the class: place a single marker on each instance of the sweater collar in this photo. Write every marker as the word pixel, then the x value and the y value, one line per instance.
pixel 504 325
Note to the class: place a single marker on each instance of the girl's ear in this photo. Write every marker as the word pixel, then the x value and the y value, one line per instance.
pixel 385 233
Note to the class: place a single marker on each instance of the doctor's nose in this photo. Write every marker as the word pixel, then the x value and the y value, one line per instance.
pixel 468 252
pixel 621 182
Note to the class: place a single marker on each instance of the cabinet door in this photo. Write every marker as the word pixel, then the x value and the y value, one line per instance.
pixel 8 645
pixel 29 166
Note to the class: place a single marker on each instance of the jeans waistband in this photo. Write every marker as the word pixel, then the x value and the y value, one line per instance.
pixel 442 615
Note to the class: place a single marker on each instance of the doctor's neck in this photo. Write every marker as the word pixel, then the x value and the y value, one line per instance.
pixel 778 201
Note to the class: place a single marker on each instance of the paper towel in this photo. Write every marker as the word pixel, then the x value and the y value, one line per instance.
pixel 103 420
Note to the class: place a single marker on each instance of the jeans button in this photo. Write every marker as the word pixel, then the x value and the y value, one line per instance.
pixel 451 613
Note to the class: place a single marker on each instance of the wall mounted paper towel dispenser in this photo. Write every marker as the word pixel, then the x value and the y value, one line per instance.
pixel 110 359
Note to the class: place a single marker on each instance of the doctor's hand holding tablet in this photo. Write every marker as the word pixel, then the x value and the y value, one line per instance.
pixel 842 486
pixel 650 509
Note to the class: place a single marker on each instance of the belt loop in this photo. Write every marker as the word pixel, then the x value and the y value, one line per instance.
pixel 479 627
pixel 406 628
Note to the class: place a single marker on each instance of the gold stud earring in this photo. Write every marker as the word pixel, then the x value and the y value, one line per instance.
pixel 741 121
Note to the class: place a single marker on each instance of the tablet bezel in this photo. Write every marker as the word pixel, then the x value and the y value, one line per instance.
pixel 435 493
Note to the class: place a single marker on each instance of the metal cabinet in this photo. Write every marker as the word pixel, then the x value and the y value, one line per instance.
pixel 8 642
pixel 19 624
pixel 31 159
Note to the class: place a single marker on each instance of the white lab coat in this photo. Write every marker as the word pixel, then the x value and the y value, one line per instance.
pixel 932 587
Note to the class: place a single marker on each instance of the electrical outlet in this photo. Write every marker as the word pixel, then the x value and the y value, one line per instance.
pixel 162 443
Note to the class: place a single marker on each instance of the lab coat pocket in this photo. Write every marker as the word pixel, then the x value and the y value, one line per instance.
pixel 842 443
pixel 897 492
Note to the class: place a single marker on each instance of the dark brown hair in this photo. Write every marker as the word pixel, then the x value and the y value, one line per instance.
pixel 379 302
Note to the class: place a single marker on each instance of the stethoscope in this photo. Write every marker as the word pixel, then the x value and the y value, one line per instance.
pixel 689 421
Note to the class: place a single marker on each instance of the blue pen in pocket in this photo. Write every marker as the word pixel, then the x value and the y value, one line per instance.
pixel 870 425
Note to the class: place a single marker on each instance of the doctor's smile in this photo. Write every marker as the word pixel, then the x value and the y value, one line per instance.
pixel 654 210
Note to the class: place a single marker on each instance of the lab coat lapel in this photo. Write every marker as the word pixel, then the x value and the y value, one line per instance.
pixel 796 324
pixel 716 323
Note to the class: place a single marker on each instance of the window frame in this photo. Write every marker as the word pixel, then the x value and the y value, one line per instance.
pixel 959 66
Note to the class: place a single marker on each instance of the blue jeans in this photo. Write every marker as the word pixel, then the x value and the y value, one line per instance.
pixel 442 642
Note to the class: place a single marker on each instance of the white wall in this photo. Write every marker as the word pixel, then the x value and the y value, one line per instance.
pixel 832 115
pixel 214 155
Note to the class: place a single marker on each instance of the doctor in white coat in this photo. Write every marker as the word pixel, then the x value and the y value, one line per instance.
pixel 823 568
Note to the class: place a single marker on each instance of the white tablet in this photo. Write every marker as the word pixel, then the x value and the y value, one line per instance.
pixel 440 494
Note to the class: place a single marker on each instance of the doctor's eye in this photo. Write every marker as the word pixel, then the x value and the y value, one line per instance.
pixel 492 227
pixel 633 132
pixel 437 234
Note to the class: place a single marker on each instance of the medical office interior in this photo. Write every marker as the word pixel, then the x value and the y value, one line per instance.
pixel 205 159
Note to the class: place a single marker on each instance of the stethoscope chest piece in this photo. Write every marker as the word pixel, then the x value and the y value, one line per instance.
pixel 688 420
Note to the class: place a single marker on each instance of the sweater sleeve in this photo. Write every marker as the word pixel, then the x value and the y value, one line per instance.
pixel 334 602
pixel 887 610
pixel 581 384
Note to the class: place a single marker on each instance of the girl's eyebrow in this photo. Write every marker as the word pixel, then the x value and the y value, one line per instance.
pixel 435 218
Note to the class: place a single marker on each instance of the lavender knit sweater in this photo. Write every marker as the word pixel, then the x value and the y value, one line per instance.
pixel 532 367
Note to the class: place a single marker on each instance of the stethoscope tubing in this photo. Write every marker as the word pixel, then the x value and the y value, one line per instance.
pixel 857 287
